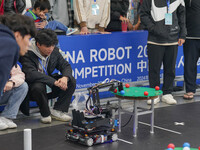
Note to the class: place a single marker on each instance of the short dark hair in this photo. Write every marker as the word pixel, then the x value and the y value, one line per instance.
pixel 42 4
pixel 17 22
pixel 46 37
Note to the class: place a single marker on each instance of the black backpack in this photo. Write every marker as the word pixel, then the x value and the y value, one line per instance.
pixel 12 6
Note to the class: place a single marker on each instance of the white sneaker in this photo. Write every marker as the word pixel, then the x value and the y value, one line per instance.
pixel 71 31
pixel 9 123
pixel 59 115
pixel 168 98
pixel 3 126
pixel 156 100
pixel 46 120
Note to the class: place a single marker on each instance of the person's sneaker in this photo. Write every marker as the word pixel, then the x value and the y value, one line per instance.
pixel 71 31
pixel 155 101
pixel 168 98
pixel 59 115
pixel 46 120
pixel 3 125
pixel 9 123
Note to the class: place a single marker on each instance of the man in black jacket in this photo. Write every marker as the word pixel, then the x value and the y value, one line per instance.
pixel 191 46
pixel 14 6
pixel 38 65
pixel 165 21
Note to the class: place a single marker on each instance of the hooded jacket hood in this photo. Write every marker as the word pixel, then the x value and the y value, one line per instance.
pixel 6 32
pixel 33 47
pixel 8 38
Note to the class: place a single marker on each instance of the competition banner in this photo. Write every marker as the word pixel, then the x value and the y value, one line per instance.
pixel 121 56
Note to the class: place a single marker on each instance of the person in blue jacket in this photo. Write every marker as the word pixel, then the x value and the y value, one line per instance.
pixel 15 32
pixel 39 13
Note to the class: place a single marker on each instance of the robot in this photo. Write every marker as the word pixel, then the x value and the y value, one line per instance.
pixel 96 124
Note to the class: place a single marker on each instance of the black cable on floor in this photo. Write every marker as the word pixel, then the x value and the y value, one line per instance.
pixel 127 122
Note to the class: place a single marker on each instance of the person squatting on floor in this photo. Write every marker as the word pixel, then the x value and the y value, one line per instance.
pixel 38 65
pixel 14 93
pixel 165 21
pixel 15 32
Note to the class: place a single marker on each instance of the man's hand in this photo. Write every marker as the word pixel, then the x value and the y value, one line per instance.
pixel 181 42
pixel 124 19
pixel 130 26
pixel 62 83
pixel 102 32
pixel 43 16
pixel 56 83
pixel 136 27
pixel 84 31
pixel 40 25
pixel 105 32
pixel 9 85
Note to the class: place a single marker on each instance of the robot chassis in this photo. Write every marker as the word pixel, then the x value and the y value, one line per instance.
pixel 96 125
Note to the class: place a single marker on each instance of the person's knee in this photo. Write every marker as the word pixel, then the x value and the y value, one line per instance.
pixel 37 88
pixel 24 87
pixel 72 83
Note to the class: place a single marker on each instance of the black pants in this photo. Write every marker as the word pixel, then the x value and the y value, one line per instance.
pixel 37 92
pixel 191 55
pixel 162 54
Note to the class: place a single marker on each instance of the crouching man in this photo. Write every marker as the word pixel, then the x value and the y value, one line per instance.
pixel 38 65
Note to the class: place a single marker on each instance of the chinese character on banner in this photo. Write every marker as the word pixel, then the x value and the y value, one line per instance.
pixel 142 65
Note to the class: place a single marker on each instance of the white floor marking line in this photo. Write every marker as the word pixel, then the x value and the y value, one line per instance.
pixel 160 128
pixel 179 123
pixel 125 141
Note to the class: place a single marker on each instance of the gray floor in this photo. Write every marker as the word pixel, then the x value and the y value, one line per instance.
pixel 33 121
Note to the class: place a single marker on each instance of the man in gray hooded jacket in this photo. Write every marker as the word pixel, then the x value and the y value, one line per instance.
pixel 38 65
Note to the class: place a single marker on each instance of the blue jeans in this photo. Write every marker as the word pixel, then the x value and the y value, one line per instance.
pixel 13 100
pixel 53 25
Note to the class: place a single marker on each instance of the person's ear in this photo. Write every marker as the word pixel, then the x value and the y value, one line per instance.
pixel 17 35
pixel 37 44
